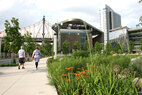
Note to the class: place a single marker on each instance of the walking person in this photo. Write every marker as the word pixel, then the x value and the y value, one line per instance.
pixel 21 54
pixel 36 56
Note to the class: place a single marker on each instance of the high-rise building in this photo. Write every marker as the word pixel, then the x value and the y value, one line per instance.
pixel 109 20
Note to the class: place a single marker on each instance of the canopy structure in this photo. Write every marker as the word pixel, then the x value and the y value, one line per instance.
pixel 75 30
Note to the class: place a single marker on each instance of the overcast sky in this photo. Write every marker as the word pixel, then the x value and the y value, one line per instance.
pixel 31 11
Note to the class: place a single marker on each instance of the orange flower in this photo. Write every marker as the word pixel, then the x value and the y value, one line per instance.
pixel 67 80
pixel 63 75
pixel 86 70
pixel 83 72
pixel 71 67
pixel 70 73
pixel 78 68
pixel 78 77
pixel 87 74
pixel 75 74
pixel 68 68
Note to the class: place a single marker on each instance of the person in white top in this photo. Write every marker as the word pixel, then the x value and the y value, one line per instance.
pixel 36 56
pixel 21 54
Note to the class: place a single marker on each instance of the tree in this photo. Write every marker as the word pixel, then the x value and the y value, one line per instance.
pixel 46 48
pixel 30 44
pixel 98 47
pixel 123 48
pixel 13 39
pixel 66 47
pixel 108 48
pixel 117 48
pixel 131 46
pixel 140 19
pixel 141 44
pixel 86 46
pixel 76 46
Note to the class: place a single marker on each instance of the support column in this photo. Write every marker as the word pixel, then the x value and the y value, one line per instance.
pixel 0 46
pixel 55 46
pixel 43 30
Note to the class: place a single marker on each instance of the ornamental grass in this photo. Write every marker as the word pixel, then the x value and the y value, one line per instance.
pixel 100 76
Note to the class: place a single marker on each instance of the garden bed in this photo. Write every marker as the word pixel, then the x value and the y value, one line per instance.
pixel 99 75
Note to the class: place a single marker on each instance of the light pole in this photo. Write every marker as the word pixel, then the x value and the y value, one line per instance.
pixel 55 46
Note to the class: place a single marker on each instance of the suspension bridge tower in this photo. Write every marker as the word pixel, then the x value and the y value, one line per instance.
pixel 43 30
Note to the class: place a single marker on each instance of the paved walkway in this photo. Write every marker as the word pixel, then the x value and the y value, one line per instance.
pixel 27 81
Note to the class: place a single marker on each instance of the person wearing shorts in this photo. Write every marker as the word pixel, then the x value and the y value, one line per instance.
pixel 21 54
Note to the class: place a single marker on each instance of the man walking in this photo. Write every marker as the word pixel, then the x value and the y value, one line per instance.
pixel 21 54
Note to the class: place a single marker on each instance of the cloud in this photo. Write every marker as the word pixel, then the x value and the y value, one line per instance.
pixel 31 11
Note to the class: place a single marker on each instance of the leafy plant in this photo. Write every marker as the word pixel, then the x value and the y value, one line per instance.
pixel 13 39
pixel 30 46
pixel 141 44
pixel 66 47
pixel 86 46
pixel 76 46
pixel 46 48
pixel 98 48
pixel 80 53
pixel 78 76
pixel 131 46
pixel 108 48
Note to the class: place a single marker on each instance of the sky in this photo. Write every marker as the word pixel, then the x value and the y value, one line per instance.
pixel 31 11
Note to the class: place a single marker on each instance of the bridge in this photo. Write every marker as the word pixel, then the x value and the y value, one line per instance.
pixel 39 31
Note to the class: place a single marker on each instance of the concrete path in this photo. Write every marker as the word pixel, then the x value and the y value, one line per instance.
pixel 27 81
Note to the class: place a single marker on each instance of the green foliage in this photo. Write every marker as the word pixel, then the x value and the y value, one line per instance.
pixel 7 65
pixel 141 44
pixel 46 48
pixel 108 48
pixel 98 48
pixel 80 53
pixel 117 48
pixel 50 60
pixel 66 47
pixel 78 76
pixel 137 67
pixel 131 46
pixel 13 39
pixel 76 46
pixel 30 46
pixel 86 46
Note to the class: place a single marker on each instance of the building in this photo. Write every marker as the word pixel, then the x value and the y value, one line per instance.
pixel 109 20
pixel 119 35
pixel 124 34
pixel 135 35
pixel 75 30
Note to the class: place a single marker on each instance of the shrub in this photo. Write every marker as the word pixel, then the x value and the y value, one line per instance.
pixel 66 47
pixel 98 48
pixel 86 46
pixel 131 46
pixel 76 46
pixel 80 53
pixel 108 48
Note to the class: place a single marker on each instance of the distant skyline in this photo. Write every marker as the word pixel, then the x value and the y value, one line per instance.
pixel 31 11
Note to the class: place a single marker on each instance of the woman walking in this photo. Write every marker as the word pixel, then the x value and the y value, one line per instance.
pixel 36 56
